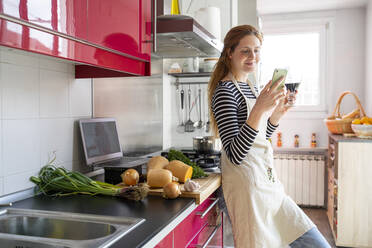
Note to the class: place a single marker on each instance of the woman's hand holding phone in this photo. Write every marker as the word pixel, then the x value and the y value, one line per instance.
pixel 270 95
pixel 266 101
pixel 279 74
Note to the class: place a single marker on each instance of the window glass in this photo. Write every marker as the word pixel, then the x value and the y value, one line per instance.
pixel 299 53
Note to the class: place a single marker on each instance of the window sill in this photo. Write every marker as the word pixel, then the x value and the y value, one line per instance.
pixel 305 114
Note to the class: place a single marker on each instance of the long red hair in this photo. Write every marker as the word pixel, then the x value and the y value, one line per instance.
pixel 223 66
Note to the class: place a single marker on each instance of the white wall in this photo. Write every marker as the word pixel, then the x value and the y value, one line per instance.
pixel 368 81
pixel 39 103
pixel 173 134
pixel 224 5
pixel 247 12
pixel 347 72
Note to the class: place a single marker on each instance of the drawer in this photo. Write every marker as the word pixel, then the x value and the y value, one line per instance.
pixel 210 236
pixel 167 242
pixel 194 223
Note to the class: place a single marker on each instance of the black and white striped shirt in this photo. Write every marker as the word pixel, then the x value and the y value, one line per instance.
pixel 230 111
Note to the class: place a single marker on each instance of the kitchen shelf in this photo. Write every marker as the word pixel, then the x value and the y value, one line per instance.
pixel 304 150
pixel 190 74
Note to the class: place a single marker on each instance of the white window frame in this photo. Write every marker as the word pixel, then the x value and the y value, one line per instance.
pixel 297 23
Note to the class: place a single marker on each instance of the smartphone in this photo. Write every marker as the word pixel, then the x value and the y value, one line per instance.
pixel 278 73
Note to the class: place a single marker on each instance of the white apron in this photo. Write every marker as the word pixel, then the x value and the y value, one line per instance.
pixel 261 213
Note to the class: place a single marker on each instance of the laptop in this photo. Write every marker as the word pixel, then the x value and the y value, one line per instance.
pixel 101 144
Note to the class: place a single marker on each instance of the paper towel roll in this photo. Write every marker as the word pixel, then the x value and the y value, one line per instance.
pixel 210 19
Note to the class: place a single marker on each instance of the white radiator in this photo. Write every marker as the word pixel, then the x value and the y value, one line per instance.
pixel 302 177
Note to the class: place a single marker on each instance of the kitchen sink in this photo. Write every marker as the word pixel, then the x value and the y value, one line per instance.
pixel 23 228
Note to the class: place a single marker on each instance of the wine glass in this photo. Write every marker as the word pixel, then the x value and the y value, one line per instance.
pixel 291 87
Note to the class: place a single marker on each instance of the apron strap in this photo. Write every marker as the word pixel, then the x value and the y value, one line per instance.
pixel 241 92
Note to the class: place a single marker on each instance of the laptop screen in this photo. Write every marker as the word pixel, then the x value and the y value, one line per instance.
pixel 100 140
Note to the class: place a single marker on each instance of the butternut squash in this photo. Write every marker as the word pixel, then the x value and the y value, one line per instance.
pixel 180 170
pixel 158 178
pixel 157 162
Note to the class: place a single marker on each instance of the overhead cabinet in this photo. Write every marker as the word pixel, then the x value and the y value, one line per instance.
pixel 106 38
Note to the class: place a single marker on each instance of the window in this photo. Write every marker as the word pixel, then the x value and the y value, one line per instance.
pixel 300 48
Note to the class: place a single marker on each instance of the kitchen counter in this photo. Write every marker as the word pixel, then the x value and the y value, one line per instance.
pixel 161 215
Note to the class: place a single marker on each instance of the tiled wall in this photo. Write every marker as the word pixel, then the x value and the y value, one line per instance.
pixel 40 101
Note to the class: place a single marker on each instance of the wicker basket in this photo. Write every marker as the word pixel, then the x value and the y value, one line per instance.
pixel 335 124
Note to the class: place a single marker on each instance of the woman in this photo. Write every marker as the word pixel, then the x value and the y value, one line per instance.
pixel 261 214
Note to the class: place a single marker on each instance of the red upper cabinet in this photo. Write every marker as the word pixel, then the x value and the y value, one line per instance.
pixel 64 16
pixel 120 25
pixel 112 38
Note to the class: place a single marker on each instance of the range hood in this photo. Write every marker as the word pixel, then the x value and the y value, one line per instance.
pixel 180 36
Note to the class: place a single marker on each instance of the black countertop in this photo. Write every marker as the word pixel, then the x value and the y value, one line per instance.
pixel 157 211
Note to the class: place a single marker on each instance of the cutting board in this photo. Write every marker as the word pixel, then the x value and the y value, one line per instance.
pixel 207 186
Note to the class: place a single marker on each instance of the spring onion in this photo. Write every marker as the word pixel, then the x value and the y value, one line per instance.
pixel 58 181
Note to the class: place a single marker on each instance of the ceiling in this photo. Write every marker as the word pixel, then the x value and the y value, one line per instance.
pixel 285 6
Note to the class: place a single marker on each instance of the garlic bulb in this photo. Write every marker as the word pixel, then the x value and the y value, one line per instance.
pixel 191 186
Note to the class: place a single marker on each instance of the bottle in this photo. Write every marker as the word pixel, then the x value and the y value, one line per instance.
pixel 175 8
pixel 297 140
pixel 279 139
pixel 313 140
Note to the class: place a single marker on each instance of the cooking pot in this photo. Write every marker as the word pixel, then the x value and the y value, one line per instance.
pixel 206 144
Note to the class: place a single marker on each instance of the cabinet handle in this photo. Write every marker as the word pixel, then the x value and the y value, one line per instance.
pixel 203 214
pixel 210 237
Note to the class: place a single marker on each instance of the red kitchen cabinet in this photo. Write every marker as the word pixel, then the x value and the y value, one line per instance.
pixel 65 16
pixel 167 242
pixel 197 228
pixel 114 23
pixel 106 38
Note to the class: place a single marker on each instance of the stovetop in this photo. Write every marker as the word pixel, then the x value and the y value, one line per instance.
pixel 209 162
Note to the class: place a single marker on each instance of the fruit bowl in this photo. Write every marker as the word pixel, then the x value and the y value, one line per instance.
pixel 362 131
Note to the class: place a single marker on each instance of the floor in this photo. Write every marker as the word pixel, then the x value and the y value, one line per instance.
pixel 317 215
pixel 320 219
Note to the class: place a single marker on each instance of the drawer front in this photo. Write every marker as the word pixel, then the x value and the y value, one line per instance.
pixel 193 224
pixel 210 236
pixel 167 242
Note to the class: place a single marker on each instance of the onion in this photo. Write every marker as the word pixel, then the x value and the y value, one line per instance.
pixel 171 190
pixel 130 177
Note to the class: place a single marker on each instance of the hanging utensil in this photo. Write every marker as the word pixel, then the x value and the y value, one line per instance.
pixel 181 127
pixel 199 124
pixel 189 125
pixel 208 123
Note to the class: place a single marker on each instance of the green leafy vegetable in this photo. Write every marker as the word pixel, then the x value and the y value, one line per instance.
pixel 197 172
pixel 58 181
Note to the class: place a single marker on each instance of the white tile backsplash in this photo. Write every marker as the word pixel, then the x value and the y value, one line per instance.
pixel 54 94
pixel 18 182
pixel 81 88
pixel 1 149
pixel 57 136
pixel 20 91
pixel 40 102
pixel 52 64
pixel 21 145
pixel 19 58
pixel 1 185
